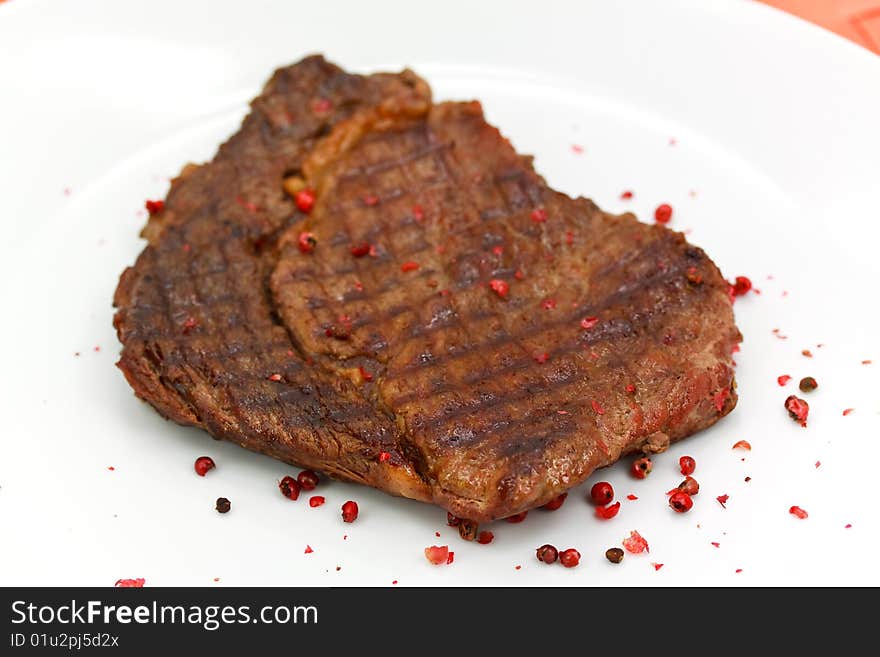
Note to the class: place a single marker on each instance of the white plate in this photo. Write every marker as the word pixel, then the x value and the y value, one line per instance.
pixel 774 169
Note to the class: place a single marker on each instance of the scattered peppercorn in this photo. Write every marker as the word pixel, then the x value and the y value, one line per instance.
pixel 741 286
pixel 499 287
pixel 223 505
pixel 798 409
pixel 570 558
pixel 601 493
pixel 437 554
pixel 349 511
pixel 607 512
pixel 614 555
pixel 305 200
pixel 203 464
pixel 360 250
pixel 798 512
pixel 808 384
pixel 467 529
pixel 547 554
pixel 154 207
pixel 782 380
pixel 316 500
pixel 635 543
pixel 484 538
pixel 641 467
pixel 681 502
pixel 289 487
pixel 307 479
pixel 687 465
pixel 663 213
pixel 689 486
pixel 307 242
pixel 556 502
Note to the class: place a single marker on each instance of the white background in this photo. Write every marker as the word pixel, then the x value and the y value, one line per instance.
pixel 774 169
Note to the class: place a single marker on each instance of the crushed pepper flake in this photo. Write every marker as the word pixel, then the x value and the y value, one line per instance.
pixel 818 463
pixel 135 583
pixel 798 512
pixel 308 550
pixel 577 149
pixel 626 195
pixel 742 444
pixel 635 543
pixel 848 526
pixel 597 407
pixel 722 500
pixel 847 411
pixel 783 379
pixel 807 353
pixel 657 566
pixel 738 571
pixel 715 543
pixel 632 497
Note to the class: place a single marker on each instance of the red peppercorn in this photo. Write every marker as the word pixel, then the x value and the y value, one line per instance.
pixel 614 555
pixel 289 487
pixel 607 512
pixel 223 505
pixel 547 554
pixel 689 486
pixel 203 464
pixel 519 517
pixel 499 287
pixel 437 555
pixel 349 511
pixel 687 465
pixel 601 493
pixel 570 558
pixel 782 380
pixel 555 503
pixel 681 501
pixel 798 409
pixel 360 250
pixel 484 538
pixel 307 242
pixel 741 286
pixel 305 199
pixel 307 479
pixel 641 467
pixel 808 384
pixel 663 213
pixel 154 207
pixel 539 215
pixel 316 500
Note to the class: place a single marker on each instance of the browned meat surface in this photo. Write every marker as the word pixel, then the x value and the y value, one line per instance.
pixel 496 339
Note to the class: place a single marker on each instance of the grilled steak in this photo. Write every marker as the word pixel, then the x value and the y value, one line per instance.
pixel 458 332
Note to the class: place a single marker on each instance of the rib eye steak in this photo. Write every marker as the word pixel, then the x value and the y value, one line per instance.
pixel 441 324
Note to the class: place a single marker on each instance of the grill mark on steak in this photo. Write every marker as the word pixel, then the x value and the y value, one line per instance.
pixel 470 420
